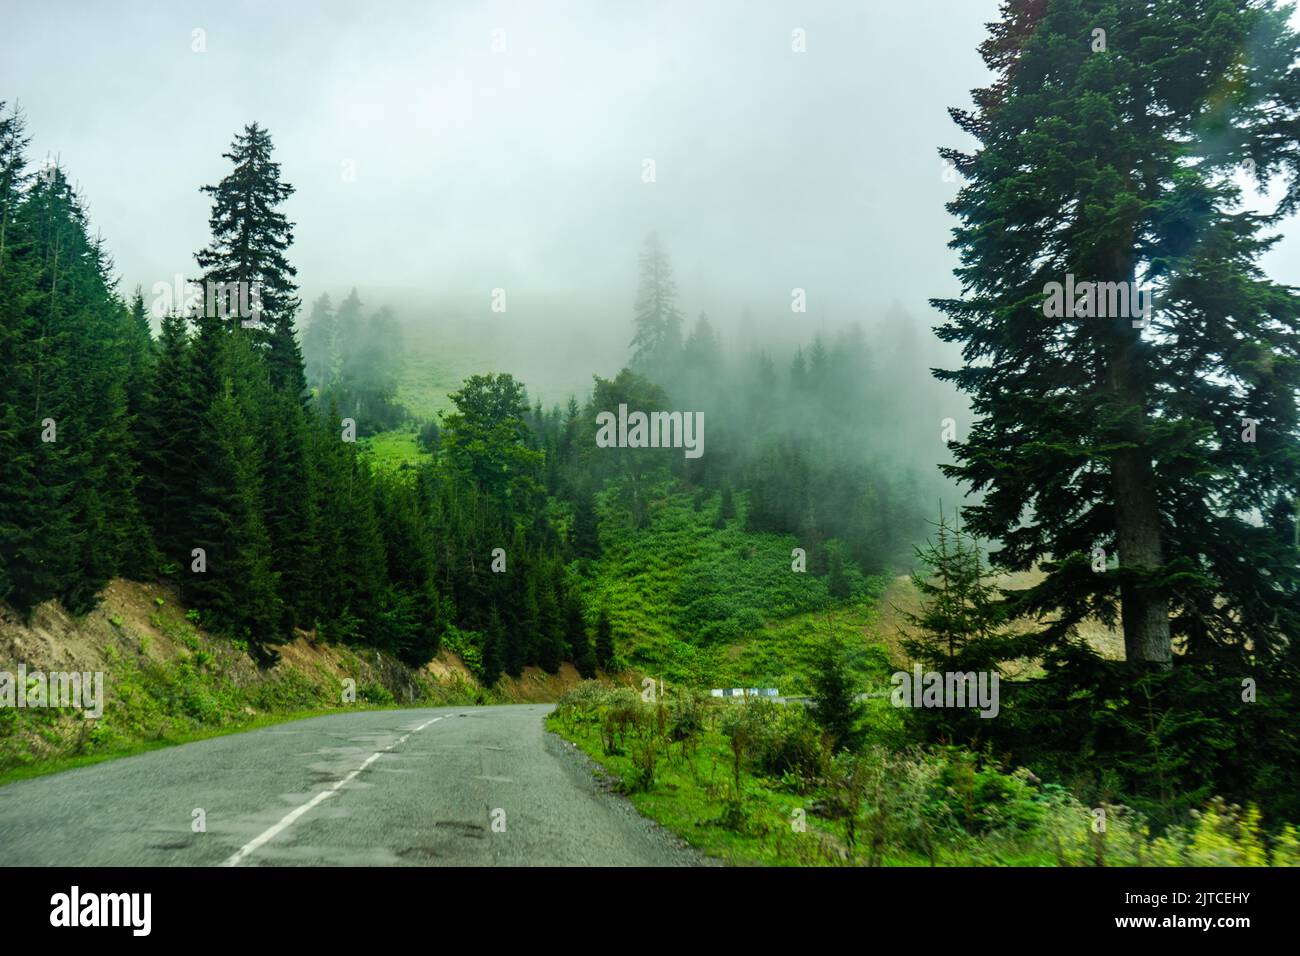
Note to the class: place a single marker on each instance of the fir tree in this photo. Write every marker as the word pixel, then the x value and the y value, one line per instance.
pixel 585 534
pixel 250 239
pixel 700 354
pixel 318 346
pixel 24 580
pixel 836 710
pixel 961 613
pixel 657 343
pixel 238 583
pixel 1096 430
pixel 167 436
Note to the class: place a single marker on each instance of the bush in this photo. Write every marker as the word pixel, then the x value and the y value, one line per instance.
pixel 373 693
pixel 886 801
pixel 983 797
pixel 792 748
pixel 687 715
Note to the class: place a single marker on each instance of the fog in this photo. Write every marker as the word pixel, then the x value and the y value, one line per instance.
pixel 441 151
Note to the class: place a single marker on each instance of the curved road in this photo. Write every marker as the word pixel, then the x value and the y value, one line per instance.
pixel 459 786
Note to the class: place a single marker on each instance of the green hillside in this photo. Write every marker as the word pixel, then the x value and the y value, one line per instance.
pixel 721 607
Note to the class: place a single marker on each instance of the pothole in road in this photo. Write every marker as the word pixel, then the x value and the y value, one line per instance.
pixel 175 845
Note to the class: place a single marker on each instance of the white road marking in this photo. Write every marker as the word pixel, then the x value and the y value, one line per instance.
pixel 292 816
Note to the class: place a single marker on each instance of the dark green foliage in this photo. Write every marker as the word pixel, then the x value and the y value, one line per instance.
pixel 1116 166
pixel 585 531
pixel 250 239
pixel 837 710
pixel 960 624
pixel 575 632
pixel 290 509
pixel 167 436
pixel 1165 740
pixel 604 640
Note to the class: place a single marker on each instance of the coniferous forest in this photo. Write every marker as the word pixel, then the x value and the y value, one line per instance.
pixel 1065 485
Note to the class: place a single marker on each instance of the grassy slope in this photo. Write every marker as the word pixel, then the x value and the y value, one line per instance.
pixel 166 681
pixel 428 378
pixel 711 607
pixel 432 370
pixel 393 449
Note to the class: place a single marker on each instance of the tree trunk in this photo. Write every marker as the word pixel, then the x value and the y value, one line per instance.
pixel 1145 610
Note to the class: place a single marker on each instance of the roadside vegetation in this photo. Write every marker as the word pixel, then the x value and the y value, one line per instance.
pixel 758 783
pixel 168 681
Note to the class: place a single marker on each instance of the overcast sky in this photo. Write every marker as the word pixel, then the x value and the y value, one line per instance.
pixel 523 168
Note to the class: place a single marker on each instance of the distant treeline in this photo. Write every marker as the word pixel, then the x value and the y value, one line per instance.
pixel 352 362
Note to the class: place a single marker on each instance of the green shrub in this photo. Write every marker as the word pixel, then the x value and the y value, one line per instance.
pixel 374 693
pixel 793 748
pixel 687 717
pixel 983 797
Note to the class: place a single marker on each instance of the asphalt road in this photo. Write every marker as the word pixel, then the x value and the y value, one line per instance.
pixel 458 786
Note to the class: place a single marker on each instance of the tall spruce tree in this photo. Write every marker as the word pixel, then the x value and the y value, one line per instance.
pixel 657 342
pixel 250 239
pixel 1106 148
pixel 132 370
